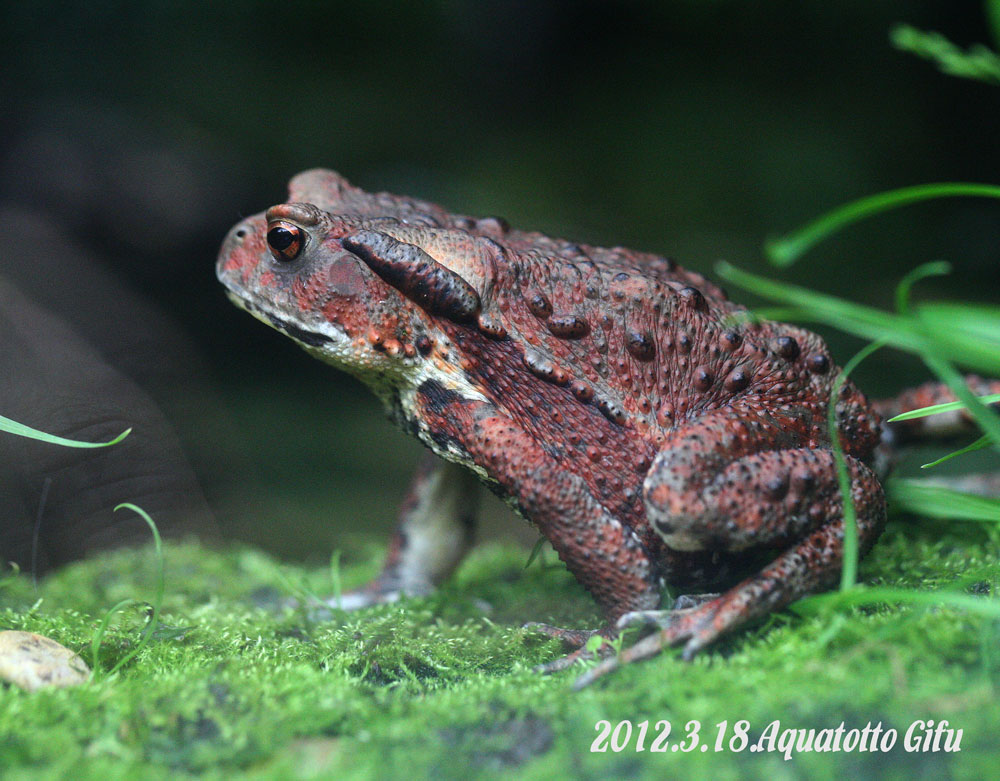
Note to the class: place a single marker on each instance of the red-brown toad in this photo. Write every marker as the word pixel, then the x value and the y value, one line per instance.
pixel 615 400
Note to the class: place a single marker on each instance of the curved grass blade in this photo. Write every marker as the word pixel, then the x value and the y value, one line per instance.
pixel 875 595
pixel 936 269
pixel 863 321
pixel 849 564
pixel 784 251
pixel 102 630
pixel 992 10
pixel 935 409
pixel 13 427
pixel 979 444
pixel 535 551
pixel 912 334
pixel 988 420
pixel 964 332
pixel 154 619
pixel 928 498
pixel 977 62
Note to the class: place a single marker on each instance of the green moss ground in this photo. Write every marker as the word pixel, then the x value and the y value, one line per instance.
pixel 235 684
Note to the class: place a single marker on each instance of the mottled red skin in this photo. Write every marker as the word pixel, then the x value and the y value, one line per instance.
pixel 650 430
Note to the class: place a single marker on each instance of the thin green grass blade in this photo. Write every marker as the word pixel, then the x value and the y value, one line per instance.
pixel 783 314
pixel 784 251
pixel 849 566
pixel 960 328
pixel 13 427
pixel 988 420
pixel 335 580
pixel 906 333
pixel 154 619
pixel 865 322
pixel 98 638
pixel 935 409
pixel 875 595
pixel 979 444
pixel 992 9
pixel 535 551
pixel 967 333
pixel 978 320
pixel 936 269
pixel 928 498
pixel 977 62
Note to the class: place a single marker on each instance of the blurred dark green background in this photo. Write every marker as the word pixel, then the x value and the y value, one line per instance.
pixel 139 132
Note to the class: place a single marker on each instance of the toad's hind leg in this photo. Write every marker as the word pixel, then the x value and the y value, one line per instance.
pixel 940 426
pixel 436 526
pixel 953 424
pixel 782 498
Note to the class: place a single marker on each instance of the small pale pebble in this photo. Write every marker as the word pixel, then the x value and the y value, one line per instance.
pixel 35 662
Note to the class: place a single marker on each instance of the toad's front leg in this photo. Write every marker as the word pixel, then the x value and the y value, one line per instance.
pixel 435 530
pixel 605 555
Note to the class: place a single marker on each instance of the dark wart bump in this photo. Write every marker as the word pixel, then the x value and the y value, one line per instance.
pixel 737 380
pixel 703 378
pixel 683 342
pixel 491 327
pixel 581 390
pixel 640 346
pixel 818 363
pixel 787 348
pixel 612 411
pixel 539 306
pixel 777 487
pixel 495 225
pixel 663 264
pixel 424 345
pixel 694 297
pixel 731 340
pixel 543 368
pixel 805 481
pixel 416 275
pixel 568 326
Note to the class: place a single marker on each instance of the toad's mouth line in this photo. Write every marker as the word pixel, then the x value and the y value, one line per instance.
pixel 299 334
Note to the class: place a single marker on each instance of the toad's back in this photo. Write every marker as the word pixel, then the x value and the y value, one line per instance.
pixel 644 341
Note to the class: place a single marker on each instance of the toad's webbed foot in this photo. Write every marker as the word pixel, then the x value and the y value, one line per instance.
pixel 574 638
pixel 577 639
pixel 683 605
pixel 581 654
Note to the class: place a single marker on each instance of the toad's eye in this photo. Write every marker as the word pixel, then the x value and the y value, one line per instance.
pixel 285 241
